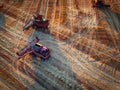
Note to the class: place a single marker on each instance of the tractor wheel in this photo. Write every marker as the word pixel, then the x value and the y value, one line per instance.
pixel 42 29
pixel 34 27
pixel 42 59
pixel 33 55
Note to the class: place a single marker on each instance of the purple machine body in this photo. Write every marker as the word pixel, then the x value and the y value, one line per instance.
pixel 35 48
pixel 37 24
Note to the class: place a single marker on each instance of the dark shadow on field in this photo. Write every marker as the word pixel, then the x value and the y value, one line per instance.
pixel 2 20
pixel 54 73
pixel 112 18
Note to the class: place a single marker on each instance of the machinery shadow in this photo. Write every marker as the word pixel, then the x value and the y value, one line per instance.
pixel 54 73
pixel 2 20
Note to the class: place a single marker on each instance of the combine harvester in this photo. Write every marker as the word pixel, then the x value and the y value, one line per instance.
pixel 112 17
pixel 100 4
pixel 35 49
pixel 37 22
